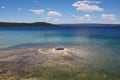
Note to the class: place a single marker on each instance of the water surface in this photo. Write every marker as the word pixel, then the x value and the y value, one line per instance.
pixel 57 35
pixel 99 47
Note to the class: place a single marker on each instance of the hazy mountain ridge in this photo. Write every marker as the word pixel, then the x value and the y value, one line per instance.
pixel 91 25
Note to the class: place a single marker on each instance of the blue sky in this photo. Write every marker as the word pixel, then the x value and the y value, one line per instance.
pixel 60 11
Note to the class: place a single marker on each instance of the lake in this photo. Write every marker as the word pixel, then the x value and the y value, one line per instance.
pixel 98 48
pixel 59 36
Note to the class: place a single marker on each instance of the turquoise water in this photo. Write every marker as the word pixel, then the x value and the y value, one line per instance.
pixel 99 47
pixel 57 35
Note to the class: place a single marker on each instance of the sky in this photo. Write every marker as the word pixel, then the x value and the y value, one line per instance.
pixel 60 11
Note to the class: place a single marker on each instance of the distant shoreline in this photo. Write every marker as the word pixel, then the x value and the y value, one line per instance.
pixel 7 24
pixel 13 24
pixel 91 25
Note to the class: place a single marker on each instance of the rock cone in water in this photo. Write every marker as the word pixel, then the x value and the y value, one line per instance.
pixel 59 48
pixel 57 51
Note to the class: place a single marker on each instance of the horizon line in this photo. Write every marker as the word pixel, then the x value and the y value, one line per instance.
pixel 59 23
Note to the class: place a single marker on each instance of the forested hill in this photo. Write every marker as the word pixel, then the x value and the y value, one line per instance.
pixel 5 24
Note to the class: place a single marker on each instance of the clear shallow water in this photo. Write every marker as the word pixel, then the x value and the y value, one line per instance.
pixel 57 35
pixel 99 48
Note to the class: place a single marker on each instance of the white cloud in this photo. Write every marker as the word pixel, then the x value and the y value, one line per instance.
pixel 2 7
pixel 108 16
pixel 47 18
pixel 91 2
pixel 88 6
pixel 38 11
pixel 85 17
pixel 56 20
pixel 54 13
pixel 19 9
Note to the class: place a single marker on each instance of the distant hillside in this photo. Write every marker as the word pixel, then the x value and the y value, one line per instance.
pixel 91 25
pixel 25 24
pixel 6 24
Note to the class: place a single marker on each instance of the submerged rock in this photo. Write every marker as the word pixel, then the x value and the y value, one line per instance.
pixel 57 51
